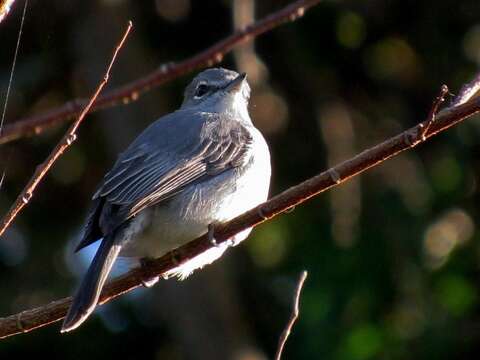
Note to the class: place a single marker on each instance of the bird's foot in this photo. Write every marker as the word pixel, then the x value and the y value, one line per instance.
pixel 148 282
pixel 211 235
pixel 261 213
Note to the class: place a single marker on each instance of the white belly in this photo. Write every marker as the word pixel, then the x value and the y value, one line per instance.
pixel 187 215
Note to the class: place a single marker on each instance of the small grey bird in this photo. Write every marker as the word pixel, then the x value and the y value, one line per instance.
pixel 202 164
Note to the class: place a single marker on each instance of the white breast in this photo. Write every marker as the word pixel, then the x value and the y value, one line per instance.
pixel 222 198
pixel 251 187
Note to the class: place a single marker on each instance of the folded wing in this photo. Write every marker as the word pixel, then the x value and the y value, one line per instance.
pixel 160 163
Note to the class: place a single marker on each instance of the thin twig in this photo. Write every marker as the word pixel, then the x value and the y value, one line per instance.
pixel 5 167
pixel 14 62
pixel 4 9
pixel 2 178
pixel 293 317
pixel 67 140
pixel 165 73
pixel 35 318
pixel 433 111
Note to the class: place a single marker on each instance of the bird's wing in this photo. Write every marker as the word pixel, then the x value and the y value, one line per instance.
pixel 171 154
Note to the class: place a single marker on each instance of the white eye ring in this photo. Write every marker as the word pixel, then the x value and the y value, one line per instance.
pixel 201 90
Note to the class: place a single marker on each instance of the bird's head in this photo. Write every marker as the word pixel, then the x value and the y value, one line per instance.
pixel 218 90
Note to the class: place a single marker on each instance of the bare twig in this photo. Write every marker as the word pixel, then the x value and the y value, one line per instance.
pixel 293 316
pixel 2 178
pixel 14 62
pixel 67 140
pixel 4 171
pixel 131 92
pixel 433 111
pixel 34 318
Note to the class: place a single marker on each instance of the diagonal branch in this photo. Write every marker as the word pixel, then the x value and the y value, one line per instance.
pixel 67 140
pixel 167 72
pixel 34 318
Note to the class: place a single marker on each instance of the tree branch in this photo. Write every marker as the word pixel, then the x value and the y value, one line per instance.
pixel 468 91
pixel 5 6
pixel 36 124
pixel 293 316
pixel 34 318
pixel 67 140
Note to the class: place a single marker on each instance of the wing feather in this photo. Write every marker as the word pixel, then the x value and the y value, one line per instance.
pixel 171 154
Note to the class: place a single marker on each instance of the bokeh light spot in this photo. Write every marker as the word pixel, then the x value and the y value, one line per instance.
pixel 363 342
pixel 456 294
pixel 456 227
pixel 350 30
pixel 392 59
pixel 446 173
pixel 173 10
pixel 270 245
pixel 471 44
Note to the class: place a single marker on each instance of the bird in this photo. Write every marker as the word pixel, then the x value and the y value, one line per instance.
pixel 198 166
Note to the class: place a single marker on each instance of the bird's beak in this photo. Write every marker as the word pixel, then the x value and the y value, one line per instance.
pixel 236 84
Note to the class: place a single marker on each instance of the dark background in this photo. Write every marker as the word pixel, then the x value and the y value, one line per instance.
pixel 393 255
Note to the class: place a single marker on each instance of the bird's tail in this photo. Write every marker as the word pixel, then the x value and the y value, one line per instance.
pixel 87 295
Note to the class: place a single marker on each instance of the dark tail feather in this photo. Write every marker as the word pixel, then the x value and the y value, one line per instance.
pixel 89 291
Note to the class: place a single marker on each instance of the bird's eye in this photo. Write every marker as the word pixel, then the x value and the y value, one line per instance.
pixel 202 89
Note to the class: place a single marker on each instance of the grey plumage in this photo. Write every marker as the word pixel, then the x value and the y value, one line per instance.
pixel 201 164
pixel 94 280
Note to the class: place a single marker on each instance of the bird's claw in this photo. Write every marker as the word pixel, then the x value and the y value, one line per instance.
pixel 148 283
pixel 211 235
